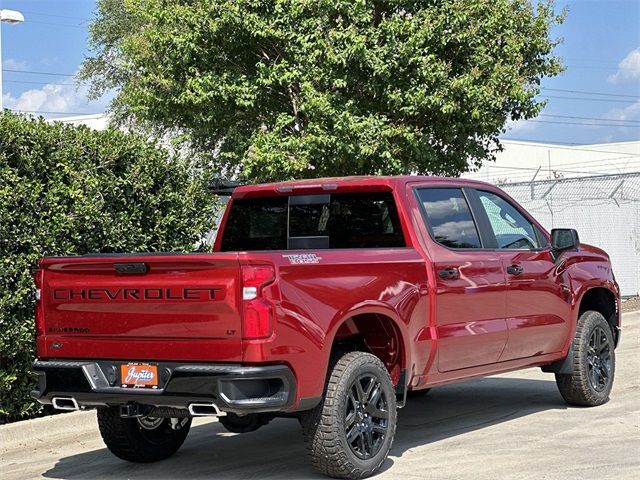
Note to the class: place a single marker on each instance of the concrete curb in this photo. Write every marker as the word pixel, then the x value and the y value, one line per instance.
pixel 52 426
pixel 43 427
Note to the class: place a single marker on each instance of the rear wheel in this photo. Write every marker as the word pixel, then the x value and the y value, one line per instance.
pixel 590 382
pixel 142 439
pixel 349 434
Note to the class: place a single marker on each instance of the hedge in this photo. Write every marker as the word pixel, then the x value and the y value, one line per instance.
pixel 67 190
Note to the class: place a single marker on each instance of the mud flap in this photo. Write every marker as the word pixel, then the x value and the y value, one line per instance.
pixel 564 366
pixel 401 389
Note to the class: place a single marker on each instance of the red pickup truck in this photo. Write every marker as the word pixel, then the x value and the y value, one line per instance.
pixel 328 300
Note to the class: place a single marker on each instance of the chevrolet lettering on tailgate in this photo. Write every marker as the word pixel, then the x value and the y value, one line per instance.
pixel 134 294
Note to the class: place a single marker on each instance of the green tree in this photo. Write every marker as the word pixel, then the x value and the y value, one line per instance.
pixel 306 88
pixel 68 190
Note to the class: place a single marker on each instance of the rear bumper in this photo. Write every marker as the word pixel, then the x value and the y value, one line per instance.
pixel 233 388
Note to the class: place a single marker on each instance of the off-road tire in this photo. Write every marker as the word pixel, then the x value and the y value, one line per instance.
pixel 244 423
pixel 324 426
pixel 577 388
pixel 128 440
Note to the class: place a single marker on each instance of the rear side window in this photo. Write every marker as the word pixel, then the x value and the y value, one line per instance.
pixel 343 220
pixel 449 217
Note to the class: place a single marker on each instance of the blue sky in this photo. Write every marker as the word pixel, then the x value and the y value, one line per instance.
pixel 601 51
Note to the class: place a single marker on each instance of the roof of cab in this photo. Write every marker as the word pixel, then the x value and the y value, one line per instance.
pixel 353 183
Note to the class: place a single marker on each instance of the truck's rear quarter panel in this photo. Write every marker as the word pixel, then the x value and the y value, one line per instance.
pixel 314 298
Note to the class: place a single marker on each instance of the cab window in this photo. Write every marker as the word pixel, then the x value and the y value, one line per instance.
pixel 511 229
pixel 449 218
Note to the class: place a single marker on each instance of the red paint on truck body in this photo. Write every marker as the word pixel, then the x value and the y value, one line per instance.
pixel 189 307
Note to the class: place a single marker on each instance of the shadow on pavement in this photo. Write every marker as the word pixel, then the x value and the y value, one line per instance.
pixel 277 450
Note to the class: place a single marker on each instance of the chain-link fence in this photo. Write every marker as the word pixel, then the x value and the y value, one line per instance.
pixel 605 210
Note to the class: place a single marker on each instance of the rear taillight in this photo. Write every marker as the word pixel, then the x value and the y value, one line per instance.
pixel 257 311
pixel 39 313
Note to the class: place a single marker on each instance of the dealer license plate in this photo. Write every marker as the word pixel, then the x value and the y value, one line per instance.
pixel 138 375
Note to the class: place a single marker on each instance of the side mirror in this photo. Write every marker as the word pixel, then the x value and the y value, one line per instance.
pixel 564 239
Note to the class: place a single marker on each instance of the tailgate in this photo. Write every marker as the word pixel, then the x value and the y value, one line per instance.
pixel 158 307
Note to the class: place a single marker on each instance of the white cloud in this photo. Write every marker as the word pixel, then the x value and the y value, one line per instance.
pixel 628 68
pixel 13 64
pixel 625 131
pixel 519 126
pixel 55 98
pixel 632 112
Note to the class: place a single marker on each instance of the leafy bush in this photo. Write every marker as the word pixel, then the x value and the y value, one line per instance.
pixel 68 190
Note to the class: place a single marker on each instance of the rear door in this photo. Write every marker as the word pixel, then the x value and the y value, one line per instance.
pixel 471 291
pixel 165 307
pixel 537 307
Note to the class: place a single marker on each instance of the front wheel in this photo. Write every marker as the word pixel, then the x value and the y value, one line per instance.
pixel 143 439
pixel 590 382
pixel 349 434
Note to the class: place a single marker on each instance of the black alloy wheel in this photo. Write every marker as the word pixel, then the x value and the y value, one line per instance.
pixel 366 417
pixel 599 359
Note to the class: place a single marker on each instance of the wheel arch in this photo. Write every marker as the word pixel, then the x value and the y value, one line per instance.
pixel 376 329
pixel 603 300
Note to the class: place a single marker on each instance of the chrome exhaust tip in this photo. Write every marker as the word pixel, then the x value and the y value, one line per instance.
pixel 65 403
pixel 205 410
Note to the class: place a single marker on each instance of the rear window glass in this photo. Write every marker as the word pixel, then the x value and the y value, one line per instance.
pixel 256 224
pixel 449 217
pixel 354 220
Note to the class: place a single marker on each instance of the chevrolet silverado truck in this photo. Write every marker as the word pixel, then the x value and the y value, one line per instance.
pixel 327 300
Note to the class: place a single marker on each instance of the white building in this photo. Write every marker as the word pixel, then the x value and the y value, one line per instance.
pixel 98 121
pixel 526 161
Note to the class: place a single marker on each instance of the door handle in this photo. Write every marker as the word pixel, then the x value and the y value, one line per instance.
pixel 448 273
pixel 514 270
